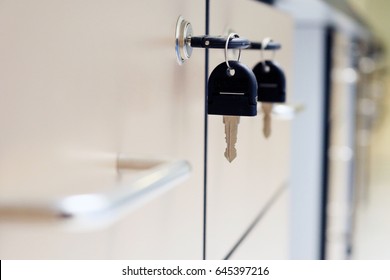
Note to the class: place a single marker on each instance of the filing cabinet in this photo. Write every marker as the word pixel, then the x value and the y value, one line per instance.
pixel 82 83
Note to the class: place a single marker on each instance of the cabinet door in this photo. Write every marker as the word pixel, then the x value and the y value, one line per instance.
pixel 269 239
pixel 239 190
pixel 82 82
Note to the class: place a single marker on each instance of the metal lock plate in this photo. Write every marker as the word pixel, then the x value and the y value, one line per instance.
pixel 183 40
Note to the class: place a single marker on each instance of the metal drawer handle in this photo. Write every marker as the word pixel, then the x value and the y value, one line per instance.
pixel 88 211
pixel 285 111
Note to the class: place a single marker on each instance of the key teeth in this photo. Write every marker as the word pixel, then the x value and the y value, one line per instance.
pixel 267 133
pixel 267 110
pixel 230 158
pixel 231 125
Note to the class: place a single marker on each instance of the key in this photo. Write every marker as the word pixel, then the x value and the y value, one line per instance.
pixel 267 110
pixel 271 89
pixel 231 125
pixel 232 94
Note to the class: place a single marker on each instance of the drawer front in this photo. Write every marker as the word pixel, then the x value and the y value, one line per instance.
pixel 239 190
pixel 81 83
pixel 269 239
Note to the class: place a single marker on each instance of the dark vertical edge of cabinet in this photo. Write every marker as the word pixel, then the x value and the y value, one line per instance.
pixel 206 72
pixel 328 57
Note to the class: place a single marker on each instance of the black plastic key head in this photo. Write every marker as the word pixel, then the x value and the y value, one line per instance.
pixel 271 82
pixel 232 92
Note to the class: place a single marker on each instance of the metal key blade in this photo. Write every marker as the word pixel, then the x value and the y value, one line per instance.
pixel 267 110
pixel 231 126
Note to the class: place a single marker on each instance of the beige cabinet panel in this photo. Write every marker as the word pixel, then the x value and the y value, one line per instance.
pixel 239 190
pixel 80 83
pixel 269 240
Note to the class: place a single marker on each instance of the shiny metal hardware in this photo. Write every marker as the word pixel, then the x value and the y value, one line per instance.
pixel 230 36
pixel 185 41
pixel 97 210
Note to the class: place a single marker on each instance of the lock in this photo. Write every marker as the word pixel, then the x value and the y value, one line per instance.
pixel 271 82
pixel 185 41
pixel 232 90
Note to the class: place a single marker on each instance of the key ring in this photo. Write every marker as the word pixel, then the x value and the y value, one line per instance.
pixel 264 44
pixel 230 70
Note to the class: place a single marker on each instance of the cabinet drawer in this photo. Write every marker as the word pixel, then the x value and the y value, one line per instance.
pixel 239 190
pixel 269 240
pixel 84 82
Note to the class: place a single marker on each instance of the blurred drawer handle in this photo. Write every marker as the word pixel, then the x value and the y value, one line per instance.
pixel 89 211
pixel 286 111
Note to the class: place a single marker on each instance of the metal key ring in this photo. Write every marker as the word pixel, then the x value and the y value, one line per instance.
pixel 264 44
pixel 226 50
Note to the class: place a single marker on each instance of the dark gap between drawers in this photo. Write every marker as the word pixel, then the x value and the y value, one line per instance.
pixel 257 219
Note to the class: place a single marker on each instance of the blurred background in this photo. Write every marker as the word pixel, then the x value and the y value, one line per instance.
pixel 372 226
